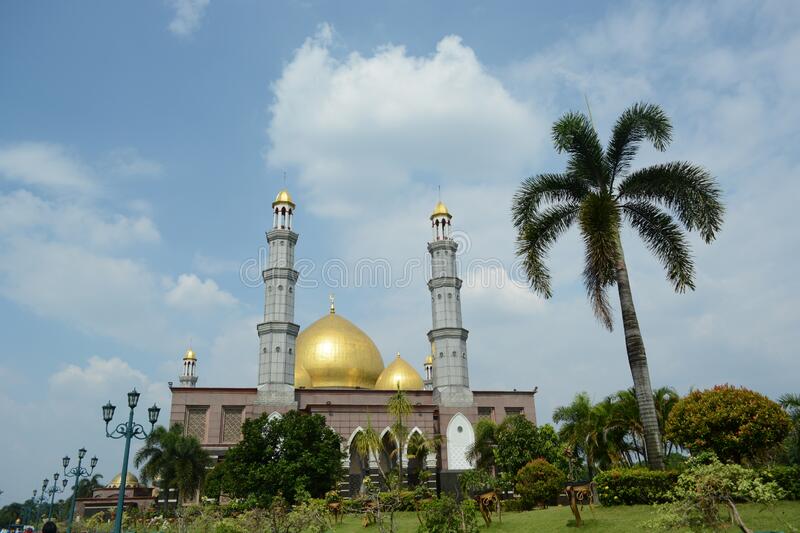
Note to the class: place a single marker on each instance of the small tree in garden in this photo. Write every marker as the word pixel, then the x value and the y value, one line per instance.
pixel 735 423
pixel 791 402
pixel 706 486
pixel 538 482
pixel 519 442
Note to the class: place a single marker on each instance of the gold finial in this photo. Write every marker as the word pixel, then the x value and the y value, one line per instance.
pixel 332 299
pixel 398 355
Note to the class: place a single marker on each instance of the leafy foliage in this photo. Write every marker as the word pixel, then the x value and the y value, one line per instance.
pixel 706 485
pixel 791 403
pixel 735 423
pixel 519 442
pixel 786 477
pixel 290 455
pixel 480 451
pixel 539 482
pixel 445 515
pixel 630 486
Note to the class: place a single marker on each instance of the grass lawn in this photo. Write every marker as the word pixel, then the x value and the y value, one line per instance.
pixel 785 516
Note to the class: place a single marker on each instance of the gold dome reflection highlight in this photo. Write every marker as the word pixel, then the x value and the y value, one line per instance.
pixel 337 354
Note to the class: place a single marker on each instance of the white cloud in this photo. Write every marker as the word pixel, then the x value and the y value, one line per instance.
pixel 45 165
pixel 188 14
pixel 190 293
pixel 361 126
pixel 99 374
pixel 128 162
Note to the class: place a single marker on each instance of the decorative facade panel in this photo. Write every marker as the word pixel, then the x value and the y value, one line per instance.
pixel 196 420
pixel 232 424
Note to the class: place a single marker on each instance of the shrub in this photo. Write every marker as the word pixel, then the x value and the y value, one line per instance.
pixel 735 423
pixel 786 477
pixel 513 505
pixel 630 486
pixel 706 487
pixel 445 515
pixel 539 482
pixel 519 442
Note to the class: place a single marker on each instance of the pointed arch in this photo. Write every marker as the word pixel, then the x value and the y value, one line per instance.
pixel 275 415
pixel 459 437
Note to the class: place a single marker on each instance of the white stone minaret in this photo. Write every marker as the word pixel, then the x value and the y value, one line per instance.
pixel 450 375
pixel 188 377
pixel 427 383
pixel 278 333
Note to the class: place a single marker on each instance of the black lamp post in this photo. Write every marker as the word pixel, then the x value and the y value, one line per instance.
pixel 127 431
pixel 78 472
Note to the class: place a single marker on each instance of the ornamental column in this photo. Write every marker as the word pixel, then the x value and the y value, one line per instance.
pixel 450 374
pixel 278 333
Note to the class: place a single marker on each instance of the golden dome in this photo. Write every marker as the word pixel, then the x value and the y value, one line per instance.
pixel 337 354
pixel 429 360
pixel 189 355
pixel 302 379
pixel 283 198
pixel 399 375
pixel 131 481
pixel 439 210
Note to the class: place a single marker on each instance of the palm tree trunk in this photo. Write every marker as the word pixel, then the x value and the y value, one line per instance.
pixel 637 359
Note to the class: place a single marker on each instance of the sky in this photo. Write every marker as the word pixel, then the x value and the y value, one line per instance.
pixel 142 144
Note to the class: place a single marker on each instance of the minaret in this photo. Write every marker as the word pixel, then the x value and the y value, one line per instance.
pixel 188 377
pixel 427 383
pixel 278 333
pixel 450 376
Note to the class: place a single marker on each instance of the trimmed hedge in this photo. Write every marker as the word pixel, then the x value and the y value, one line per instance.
pixel 787 478
pixel 630 486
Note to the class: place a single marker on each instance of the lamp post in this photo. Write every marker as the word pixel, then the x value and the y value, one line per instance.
pixel 78 472
pixel 127 430
pixel 42 499
pixel 52 491
pixel 29 509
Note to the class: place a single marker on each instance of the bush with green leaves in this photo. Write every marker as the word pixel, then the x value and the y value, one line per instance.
pixel 538 483
pixel 445 515
pixel 519 441
pixel 786 477
pixel 735 423
pixel 708 485
pixel 631 486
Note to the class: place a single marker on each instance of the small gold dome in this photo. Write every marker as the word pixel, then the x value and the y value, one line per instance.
pixel 429 360
pixel 399 375
pixel 131 481
pixel 302 379
pixel 337 354
pixel 440 210
pixel 283 198
pixel 189 355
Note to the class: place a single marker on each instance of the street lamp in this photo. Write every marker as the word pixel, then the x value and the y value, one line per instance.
pixel 52 491
pixel 29 508
pixel 42 499
pixel 78 472
pixel 127 431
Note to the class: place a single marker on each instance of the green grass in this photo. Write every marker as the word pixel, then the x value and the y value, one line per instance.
pixel 785 516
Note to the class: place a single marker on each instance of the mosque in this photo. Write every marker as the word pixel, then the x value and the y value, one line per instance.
pixel 333 368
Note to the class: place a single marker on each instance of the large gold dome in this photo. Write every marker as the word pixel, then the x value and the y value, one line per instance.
pixel 399 375
pixel 337 354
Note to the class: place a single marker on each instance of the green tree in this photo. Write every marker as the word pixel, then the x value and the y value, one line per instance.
pixel 791 403
pixel 539 482
pixel 481 452
pixel 598 191
pixel 735 423
pixel 177 460
pixel 519 442
pixel 87 486
pixel 287 455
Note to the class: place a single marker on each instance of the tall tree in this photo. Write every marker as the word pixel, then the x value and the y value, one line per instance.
pixel 791 404
pixel 598 191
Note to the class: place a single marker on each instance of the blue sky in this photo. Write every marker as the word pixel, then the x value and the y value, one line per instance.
pixel 141 146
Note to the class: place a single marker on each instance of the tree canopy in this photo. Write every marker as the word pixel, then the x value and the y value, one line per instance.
pixel 519 442
pixel 287 455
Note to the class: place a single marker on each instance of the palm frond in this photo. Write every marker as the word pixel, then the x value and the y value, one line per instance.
pixel 638 122
pixel 686 189
pixel 545 188
pixel 574 134
pixel 665 239
pixel 535 239
pixel 599 224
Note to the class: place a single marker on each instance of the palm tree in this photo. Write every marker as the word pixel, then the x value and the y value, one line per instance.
pixel 791 403
pixel 177 460
pixel 87 486
pixel 399 407
pixel 481 451
pixel 598 191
